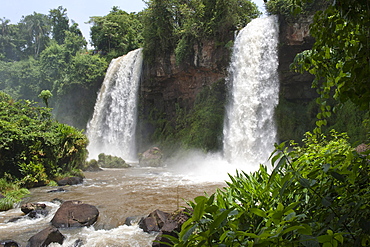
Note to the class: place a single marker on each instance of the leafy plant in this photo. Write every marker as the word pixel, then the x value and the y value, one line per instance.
pixel 34 147
pixel 315 194
pixel 12 192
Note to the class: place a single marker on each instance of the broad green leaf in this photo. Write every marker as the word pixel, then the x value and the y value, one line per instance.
pixel 292 228
pixel 199 207
pixel 324 238
pixel 258 212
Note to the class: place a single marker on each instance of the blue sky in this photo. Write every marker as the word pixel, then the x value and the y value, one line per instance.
pixel 77 10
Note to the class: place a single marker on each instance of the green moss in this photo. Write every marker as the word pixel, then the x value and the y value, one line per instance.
pixel 348 118
pixel 109 161
pixel 13 193
pixel 200 127
pixel 294 119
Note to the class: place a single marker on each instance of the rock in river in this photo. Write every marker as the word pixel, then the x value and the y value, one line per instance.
pixel 75 214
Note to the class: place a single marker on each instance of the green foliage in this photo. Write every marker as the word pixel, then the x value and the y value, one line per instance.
pixel 35 29
pixel 12 192
pixel 176 25
pixel 45 95
pixel 32 61
pixel 34 147
pixel 201 127
pixel 315 195
pixel 109 161
pixel 339 58
pixel 59 23
pixel 350 119
pixel 293 119
pixel 116 33
pixel 293 10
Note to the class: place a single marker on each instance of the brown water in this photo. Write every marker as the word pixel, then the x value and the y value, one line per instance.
pixel 118 194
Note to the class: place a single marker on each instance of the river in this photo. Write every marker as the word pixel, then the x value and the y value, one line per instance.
pixel 118 194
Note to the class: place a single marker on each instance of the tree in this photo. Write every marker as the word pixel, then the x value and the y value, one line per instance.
pixel 34 148
pixel 7 40
pixel 118 31
pixel 159 28
pixel 176 25
pixel 36 30
pixel 45 95
pixel 59 23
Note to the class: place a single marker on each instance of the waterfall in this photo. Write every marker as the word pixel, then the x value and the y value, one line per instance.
pixel 113 125
pixel 249 131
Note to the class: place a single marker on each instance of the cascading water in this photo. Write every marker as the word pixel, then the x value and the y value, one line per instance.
pixel 112 128
pixel 250 132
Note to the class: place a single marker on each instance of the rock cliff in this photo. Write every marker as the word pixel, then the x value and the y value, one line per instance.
pixel 294 38
pixel 168 88
pixel 296 112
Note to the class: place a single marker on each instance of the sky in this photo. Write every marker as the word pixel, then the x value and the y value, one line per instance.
pixel 79 11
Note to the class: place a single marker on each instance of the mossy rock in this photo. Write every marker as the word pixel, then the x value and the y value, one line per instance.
pixel 109 161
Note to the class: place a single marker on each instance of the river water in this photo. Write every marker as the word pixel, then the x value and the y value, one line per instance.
pixel 249 135
pixel 118 194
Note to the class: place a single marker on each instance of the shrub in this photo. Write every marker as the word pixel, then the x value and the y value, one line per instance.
pixel 109 161
pixel 316 195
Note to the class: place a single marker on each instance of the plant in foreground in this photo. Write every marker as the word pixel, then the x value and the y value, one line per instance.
pixel 316 195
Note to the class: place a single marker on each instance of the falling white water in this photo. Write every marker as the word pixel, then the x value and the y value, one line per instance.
pixel 112 128
pixel 250 132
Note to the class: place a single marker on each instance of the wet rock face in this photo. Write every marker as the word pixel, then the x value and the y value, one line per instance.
pixel 9 243
pixel 70 181
pixel 151 157
pixel 75 214
pixel 165 224
pixel 295 33
pixel 29 207
pixel 46 237
pixel 295 38
pixel 167 86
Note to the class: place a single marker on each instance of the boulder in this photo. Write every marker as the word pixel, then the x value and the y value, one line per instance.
pixel 165 224
pixel 151 157
pixel 45 237
pixel 57 190
pixel 38 213
pixel 29 207
pixel 91 166
pixel 110 161
pixel 15 219
pixel 75 214
pixel 9 243
pixel 362 148
pixel 154 221
pixel 70 181
pixel 171 227
pixel 132 220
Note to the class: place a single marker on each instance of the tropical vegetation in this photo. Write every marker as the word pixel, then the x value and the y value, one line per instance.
pixel 48 53
pixel 35 149
pixel 174 26
pixel 316 194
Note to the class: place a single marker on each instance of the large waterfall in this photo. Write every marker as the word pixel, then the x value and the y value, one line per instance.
pixel 250 132
pixel 112 128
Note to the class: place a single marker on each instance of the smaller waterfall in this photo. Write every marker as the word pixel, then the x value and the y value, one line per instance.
pixel 250 132
pixel 113 125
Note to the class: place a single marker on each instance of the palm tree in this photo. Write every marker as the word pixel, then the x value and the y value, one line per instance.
pixel 37 29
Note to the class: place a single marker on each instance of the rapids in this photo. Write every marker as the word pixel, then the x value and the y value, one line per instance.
pixel 117 193
pixel 249 135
